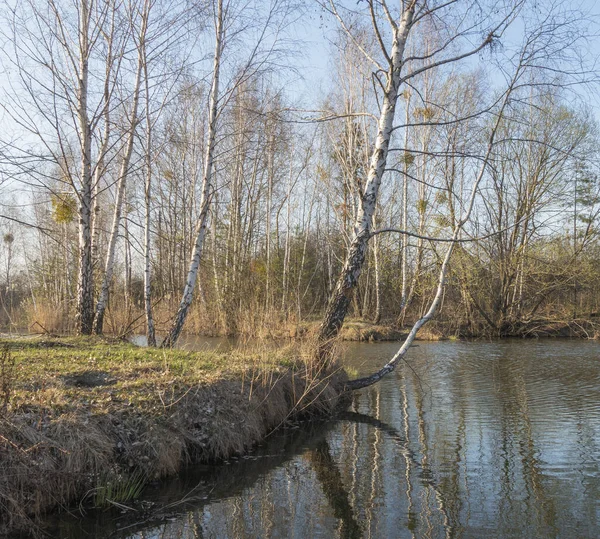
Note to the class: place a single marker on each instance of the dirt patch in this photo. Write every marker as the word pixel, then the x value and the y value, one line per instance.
pixel 89 379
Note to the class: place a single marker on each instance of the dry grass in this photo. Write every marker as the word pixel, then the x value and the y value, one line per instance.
pixel 47 318
pixel 85 414
pixel 358 330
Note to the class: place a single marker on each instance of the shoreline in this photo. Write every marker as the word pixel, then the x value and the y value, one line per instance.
pixel 358 330
pixel 361 330
pixel 91 421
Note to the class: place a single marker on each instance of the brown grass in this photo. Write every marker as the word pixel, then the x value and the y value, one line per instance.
pixel 47 318
pixel 358 330
pixel 87 413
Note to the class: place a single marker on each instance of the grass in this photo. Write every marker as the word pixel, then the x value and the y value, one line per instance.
pixel 117 491
pixel 89 418
pixel 360 330
pixel 98 376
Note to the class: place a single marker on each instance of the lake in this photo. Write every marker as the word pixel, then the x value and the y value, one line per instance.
pixel 465 439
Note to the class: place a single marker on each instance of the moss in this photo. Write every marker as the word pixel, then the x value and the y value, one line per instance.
pixel 86 413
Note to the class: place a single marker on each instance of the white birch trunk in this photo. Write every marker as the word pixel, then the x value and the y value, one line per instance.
pixel 286 251
pixel 99 169
pixel 342 295
pixel 85 305
pixel 188 291
pixel 270 179
pixel 439 294
pixel 121 185
pixel 377 317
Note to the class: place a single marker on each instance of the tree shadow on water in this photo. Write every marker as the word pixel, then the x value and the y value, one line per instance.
pixel 188 495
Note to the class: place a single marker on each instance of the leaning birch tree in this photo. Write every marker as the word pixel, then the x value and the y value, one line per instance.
pixel 546 47
pixel 232 24
pixel 206 188
pixel 393 72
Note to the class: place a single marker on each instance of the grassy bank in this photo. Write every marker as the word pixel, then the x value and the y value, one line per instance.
pixel 437 330
pixel 94 420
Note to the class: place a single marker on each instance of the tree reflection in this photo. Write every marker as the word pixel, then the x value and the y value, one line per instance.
pixel 332 485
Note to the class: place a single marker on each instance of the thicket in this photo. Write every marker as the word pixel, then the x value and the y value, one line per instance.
pixel 214 157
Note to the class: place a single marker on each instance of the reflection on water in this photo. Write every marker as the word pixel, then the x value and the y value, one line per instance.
pixel 465 440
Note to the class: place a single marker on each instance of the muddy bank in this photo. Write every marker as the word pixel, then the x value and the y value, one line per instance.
pixel 91 422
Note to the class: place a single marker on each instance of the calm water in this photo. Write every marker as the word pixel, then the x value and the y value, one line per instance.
pixel 466 440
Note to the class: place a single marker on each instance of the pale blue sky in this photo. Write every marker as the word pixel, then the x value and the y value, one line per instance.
pixel 314 62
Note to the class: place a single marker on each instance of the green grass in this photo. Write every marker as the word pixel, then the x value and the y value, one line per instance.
pixel 65 374
pixel 119 490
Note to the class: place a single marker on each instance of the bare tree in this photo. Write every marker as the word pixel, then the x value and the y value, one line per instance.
pixel 530 58
pixel 124 169
pixel 262 51
pixel 395 70
pixel 53 100
pixel 206 188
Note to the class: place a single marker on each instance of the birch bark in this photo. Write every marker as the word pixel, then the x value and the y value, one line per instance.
pixel 342 295
pixel 457 229
pixel 85 306
pixel 122 182
pixel 188 291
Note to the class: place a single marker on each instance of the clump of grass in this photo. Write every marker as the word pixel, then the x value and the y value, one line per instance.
pixel 351 372
pixel 359 330
pixel 120 489
pixel 47 317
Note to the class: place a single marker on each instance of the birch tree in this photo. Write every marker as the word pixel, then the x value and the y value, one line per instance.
pixel 206 189
pixel 155 29
pixel 229 26
pixel 56 58
pixel 531 57
pixel 393 71
pixel 124 169
pixel 148 169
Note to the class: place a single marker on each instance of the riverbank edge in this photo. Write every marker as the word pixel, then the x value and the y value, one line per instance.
pixel 56 458
pixel 359 330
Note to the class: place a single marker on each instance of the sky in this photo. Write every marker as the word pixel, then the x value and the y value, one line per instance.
pixel 315 31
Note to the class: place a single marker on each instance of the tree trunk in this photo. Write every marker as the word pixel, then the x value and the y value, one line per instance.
pixel 85 288
pixel 404 296
pixel 377 317
pixel 123 173
pixel 150 331
pixel 342 295
pixel 457 229
pixel 188 291
pixel 105 145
